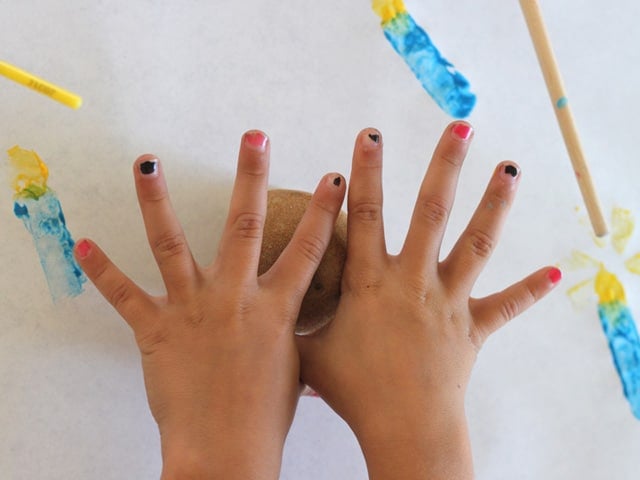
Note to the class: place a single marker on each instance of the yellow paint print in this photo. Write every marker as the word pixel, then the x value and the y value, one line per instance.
pixel 30 173
pixel 615 315
pixel 608 287
pixel 388 9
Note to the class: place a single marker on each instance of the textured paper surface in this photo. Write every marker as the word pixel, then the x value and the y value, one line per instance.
pixel 184 80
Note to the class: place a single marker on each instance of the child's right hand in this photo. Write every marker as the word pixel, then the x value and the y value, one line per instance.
pixel 396 360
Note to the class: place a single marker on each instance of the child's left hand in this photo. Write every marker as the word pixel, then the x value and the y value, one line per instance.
pixel 218 353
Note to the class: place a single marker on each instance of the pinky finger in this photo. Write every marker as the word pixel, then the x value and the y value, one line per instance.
pixel 129 300
pixel 492 312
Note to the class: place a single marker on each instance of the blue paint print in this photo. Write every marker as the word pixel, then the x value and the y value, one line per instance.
pixel 562 102
pixel 45 221
pixel 448 87
pixel 624 343
pixel 40 211
pixel 622 335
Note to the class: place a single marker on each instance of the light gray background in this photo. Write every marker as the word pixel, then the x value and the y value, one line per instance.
pixel 184 79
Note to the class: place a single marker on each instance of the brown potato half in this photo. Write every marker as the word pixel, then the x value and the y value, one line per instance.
pixel 284 211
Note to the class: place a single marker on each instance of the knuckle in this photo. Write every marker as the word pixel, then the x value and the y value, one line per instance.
pixel 155 194
pixel 194 318
pixel 499 200
pixel 434 211
pixel 481 243
pixel 476 338
pixel 510 308
pixel 324 207
pixel 312 248
pixel 514 305
pixel 367 212
pixel 172 244
pixel 451 158
pixel 119 296
pixel 248 225
pixel 152 341
pixel 365 280
pixel 253 166
pixel 529 297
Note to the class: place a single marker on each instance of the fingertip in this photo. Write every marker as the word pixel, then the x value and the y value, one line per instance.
pixel 335 180
pixel 509 171
pixel 331 189
pixel 146 165
pixel 253 158
pixel 369 139
pixel 461 131
pixel 554 276
pixel 82 249
pixel 255 140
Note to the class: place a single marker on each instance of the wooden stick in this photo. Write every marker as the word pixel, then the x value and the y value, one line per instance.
pixel 547 60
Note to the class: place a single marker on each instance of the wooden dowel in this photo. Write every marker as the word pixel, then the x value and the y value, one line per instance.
pixel 552 78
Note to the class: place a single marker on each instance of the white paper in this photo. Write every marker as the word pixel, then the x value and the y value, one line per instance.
pixel 184 80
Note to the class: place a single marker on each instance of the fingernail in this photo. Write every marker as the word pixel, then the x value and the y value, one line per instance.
pixel 337 181
pixel 555 275
pixel 83 248
pixel 511 170
pixel 148 167
pixel 462 131
pixel 256 139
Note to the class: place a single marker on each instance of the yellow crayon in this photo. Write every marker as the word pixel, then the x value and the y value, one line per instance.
pixel 39 85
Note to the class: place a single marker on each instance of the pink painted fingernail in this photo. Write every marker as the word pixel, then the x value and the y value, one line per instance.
pixel 555 275
pixel 462 131
pixel 256 139
pixel 83 248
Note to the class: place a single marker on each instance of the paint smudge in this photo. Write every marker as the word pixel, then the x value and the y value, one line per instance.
pixel 40 211
pixel 633 264
pixel 448 87
pixel 622 335
pixel 622 225
pixel 580 260
pixel 580 294
pixel 615 315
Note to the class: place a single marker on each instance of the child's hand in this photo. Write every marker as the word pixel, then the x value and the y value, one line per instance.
pixel 218 352
pixel 396 360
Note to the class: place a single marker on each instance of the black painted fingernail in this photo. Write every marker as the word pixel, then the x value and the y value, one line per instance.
pixel 511 170
pixel 148 167
pixel 337 181
pixel 375 137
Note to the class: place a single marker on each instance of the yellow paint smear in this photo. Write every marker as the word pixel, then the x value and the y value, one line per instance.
pixel 30 172
pixel 582 293
pixel 608 287
pixel 580 260
pixel 622 225
pixel 388 9
pixel 633 264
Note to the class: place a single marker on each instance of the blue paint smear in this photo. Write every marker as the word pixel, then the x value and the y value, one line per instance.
pixel 44 219
pixel 624 343
pixel 439 78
